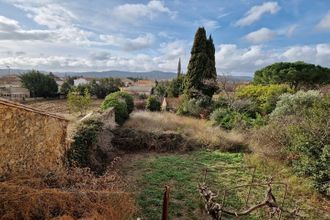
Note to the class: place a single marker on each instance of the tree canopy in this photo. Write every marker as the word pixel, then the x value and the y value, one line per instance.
pixel 39 85
pixel 105 87
pixel 201 75
pixel 297 75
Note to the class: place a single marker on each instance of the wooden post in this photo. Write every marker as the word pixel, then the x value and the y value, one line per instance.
pixel 166 198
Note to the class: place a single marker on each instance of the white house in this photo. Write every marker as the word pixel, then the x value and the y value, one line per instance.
pixel 80 81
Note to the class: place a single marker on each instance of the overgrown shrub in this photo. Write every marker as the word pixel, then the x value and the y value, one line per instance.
pixel 302 138
pixel 224 117
pixel 128 99
pixel 84 139
pixel 289 104
pixel 229 119
pixel 264 97
pixel 195 107
pixel 310 143
pixel 153 104
pixel 122 103
pixel 189 107
pixel 79 102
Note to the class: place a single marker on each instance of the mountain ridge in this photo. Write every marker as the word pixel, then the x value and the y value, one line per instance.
pixel 153 75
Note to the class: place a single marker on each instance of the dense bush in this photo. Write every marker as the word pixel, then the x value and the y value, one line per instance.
pixel 289 104
pixel 104 87
pixel 128 99
pixel 189 107
pixel 301 136
pixel 229 119
pixel 224 117
pixel 39 84
pixel 263 97
pixel 175 87
pixel 84 139
pixel 120 102
pixel 160 90
pixel 153 104
pixel 79 102
pixel 310 143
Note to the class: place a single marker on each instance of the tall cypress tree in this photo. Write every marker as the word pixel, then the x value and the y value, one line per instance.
pixel 201 68
pixel 179 68
pixel 211 72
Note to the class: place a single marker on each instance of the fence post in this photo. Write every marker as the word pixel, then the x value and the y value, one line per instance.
pixel 166 198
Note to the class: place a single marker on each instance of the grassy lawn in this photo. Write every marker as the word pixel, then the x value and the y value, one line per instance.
pixel 182 173
pixel 149 173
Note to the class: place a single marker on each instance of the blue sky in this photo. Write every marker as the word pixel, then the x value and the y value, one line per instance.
pixel 59 35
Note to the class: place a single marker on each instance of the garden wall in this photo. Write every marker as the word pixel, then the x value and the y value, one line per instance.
pixel 30 140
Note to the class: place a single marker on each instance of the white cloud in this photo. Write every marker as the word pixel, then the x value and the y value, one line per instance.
pixel 290 30
pixel 11 30
pixel 58 20
pixel 129 44
pixel 324 24
pixel 256 12
pixel 209 25
pixel 173 50
pixel 231 59
pixel 134 12
pixel 260 36
pixel 51 15
pixel 7 24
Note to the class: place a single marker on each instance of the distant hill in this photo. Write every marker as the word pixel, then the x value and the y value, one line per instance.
pixel 157 75
pixel 238 78
pixel 122 74
pixel 111 73
pixel 12 71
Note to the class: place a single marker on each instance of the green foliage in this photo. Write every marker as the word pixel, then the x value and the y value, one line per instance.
pixel 297 75
pixel 310 143
pixel 229 119
pixel 224 117
pixel 84 139
pixel 289 104
pixel 201 74
pixel 153 104
pixel 122 104
pixel 77 102
pixel 264 97
pixel 175 87
pixel 160 90
pixel 104 87
pixel 128 99
pixel 39 85
pixel 65 88
pixel 189 107
pixel 300 135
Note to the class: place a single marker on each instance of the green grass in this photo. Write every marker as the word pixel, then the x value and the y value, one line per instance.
pixel 182 172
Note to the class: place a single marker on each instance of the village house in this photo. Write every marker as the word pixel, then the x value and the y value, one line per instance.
pixel 80 81
pixel 11 88
pixel 140 87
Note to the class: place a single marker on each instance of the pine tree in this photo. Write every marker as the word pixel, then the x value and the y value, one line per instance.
pixel 201 73
pixel 179 68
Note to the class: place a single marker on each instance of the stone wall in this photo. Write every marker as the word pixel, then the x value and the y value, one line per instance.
pixel 30 140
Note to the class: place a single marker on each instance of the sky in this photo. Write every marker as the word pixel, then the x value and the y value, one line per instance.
pixel 84 35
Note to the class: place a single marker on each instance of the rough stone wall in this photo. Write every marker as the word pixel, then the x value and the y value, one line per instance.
pixel 30 140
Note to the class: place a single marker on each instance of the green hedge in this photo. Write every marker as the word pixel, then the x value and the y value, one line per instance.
pixel 153 104
pixel 122 103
